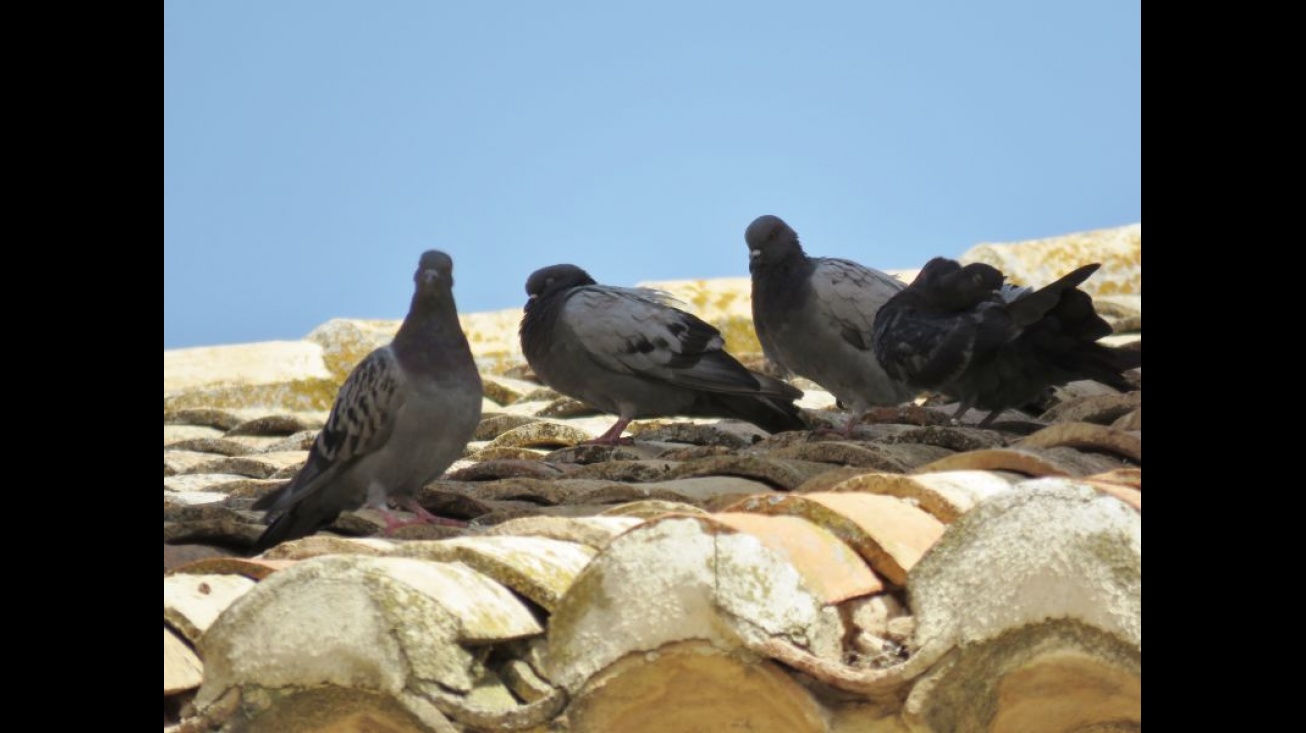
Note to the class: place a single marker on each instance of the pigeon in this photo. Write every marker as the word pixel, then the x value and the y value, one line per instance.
pixel 629 352
pixel 403 415
pixel 815 317
pixel 965 332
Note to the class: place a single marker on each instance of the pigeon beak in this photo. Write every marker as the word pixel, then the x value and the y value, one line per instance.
pixel 754 254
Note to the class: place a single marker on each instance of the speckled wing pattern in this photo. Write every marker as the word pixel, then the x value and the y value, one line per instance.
pixel 928 349
pixel 636 331
pixel 361 421
pixel 850 294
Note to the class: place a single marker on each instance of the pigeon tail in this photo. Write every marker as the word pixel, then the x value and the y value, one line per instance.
pixel 291 525
pixel 771 414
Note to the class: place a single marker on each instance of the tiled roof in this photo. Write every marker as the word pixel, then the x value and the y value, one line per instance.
pixel 919 575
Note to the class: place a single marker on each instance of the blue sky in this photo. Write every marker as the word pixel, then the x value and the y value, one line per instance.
pixel 313 149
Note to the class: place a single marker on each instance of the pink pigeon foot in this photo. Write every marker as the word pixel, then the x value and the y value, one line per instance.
pixel 613 436
pixel 393 524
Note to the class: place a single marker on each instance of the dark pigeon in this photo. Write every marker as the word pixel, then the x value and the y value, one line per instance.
pixel 815 316
pixel 402 416
pixel 966 333
pixel 628 352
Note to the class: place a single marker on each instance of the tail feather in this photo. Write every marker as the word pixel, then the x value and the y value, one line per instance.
pixel 1031 308
pixel 771 414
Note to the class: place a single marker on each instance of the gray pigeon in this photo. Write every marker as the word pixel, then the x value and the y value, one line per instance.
pixel 627 351
pixel 964 332
pixel 815 316
pixel 402 416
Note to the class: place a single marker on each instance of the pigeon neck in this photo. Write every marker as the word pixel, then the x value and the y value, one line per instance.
pixel 432 325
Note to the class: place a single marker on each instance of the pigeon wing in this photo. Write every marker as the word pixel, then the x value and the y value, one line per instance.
pixel 635 331
pixel 361 420
pixel 849 295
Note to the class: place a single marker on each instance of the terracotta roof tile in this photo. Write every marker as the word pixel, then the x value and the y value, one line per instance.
pixel 946 495
pixel 1087 436
pixel 889 534
pixel 1029 461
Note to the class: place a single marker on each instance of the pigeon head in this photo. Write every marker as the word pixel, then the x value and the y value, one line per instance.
pixel 770 240
pixel 953 287
pixel 434 272
pixel 554 278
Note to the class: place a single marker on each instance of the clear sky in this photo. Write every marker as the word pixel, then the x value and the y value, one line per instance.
pixel 314 148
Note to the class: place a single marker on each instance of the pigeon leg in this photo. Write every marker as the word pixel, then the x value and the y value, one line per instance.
pixel 989 418
pixel 392 523
pixel 962 409
pixel 613 436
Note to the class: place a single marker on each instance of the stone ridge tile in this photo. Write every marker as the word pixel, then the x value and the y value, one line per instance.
pixel 232 531
pixel 489 470
pixel 536 491
pixel 1130 421
pixel 782 473
pixel 828 566
pixel 627 471
pixel 595 532
pixel 303 440
pixel 505 390
pixel 566 407
pixel 494 424
pixel 174 500
pixel 587 454
pixel 254 568
pixel 183 461
pixel 200 481
pixel 959 439
pixel 906 415
pixel 540 394
pixel 506 453
pixel 175 434
pixel 220 445
pixel 244 491
pixel 729 433
pixel 454 499
pixel 524 409
pixel 541 433
pixel 1087 436
pixel 256 465
pixel 691 452
pixel 895 458
pixel 1100 409
pixel 222 419
pixel 281 424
